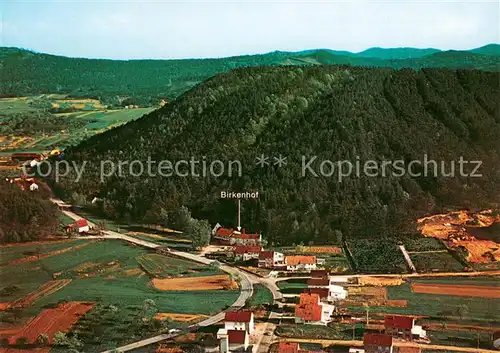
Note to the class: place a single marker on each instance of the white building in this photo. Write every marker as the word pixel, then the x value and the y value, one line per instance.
pixel 300 263
pixel 271 259
pixel 239 321
pixel 232 340
pixel 33 187
pixel 356 350
pixel 335 292
pixel 310 310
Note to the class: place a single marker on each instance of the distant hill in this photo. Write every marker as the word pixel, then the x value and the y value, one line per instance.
pixel 490 49
pixel 396 53
pixel 336 113
pixel 146 82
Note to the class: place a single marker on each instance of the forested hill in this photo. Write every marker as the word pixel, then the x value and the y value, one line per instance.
pixel 146 82
pixel 333 112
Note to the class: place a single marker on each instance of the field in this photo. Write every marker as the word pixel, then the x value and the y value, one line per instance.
pixel 217 282
pixel 11 252
pixel 50 321
pixel 105 273
pixel 441 261
pixel 77 119
pixel 163 266
pixel 381 256
pixel 180 317
pixel 45 290
pixel 261 295
pixel 480 251
pixel 457 290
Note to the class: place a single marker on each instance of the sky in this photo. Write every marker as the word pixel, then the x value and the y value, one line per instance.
pixel 200 29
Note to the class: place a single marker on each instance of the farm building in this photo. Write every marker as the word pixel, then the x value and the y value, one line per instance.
pixel 246 252
pixel 288 347
pixel 234 337
pixel 319 273
pixel 334 291
pixel 403 326
pixel 356 350
pixel 496 340
pixel 311 310
pixel 23 182
pixel 377 343
pixel 25 156
pixel 233 341
pixel 410 350
pixel 80 226
pixel 271 259
pixel 300 263
pixel 239 320
pixel 229 236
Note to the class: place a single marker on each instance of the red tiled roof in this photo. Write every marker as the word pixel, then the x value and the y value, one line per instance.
pixel 224 232
pixel 263 255
pixel 238 316
pixel 410 350
pixel 318 282
pixel 322 292
pixel 82 222
pixel 319 273
pixel 298 259
pixel 377 339
pixel 402 322
pixel 242 249
pixel 308 312
pixel 309 298
pixel 236 336
pixel 288 347
pixel 246 236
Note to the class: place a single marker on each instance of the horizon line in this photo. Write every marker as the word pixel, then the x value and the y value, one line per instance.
pixel 248 54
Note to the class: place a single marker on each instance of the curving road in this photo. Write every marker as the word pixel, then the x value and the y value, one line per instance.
pixel 246 282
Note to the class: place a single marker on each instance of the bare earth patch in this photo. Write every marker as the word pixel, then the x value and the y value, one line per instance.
pixel 223 282
pixel 179 317
pixel 457 290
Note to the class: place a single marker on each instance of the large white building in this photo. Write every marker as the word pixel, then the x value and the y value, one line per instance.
pixel 234 337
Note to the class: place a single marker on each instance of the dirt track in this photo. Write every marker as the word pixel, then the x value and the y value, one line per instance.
pixel 462 290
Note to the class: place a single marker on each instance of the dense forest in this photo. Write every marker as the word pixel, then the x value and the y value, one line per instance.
pixel 333 112
pixel 147 82
pixel 24 215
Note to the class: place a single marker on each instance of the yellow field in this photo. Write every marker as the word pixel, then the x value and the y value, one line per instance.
pixel 179 317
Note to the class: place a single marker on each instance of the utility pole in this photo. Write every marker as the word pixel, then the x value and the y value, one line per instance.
pixel 239 215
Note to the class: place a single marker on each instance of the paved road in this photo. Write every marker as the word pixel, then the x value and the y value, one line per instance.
pixel 246 283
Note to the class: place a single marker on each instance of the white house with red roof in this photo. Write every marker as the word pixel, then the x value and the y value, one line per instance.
pixel 81 225
pixel 234 337
pixel 232 340
pixel 239 320
pixel 271 259
pixel 229 236
pixel 310 310
pixel 247 252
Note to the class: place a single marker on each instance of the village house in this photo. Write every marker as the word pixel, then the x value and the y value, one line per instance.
pixel 335 292
pixel 239 320
pixel 80 226
pixel 300 263
pixel 271 259
pixel 246 252
pixel 233 341
pixel 288 347
pixel 496 340
pixel 310 310
pixel 377 343
pixel 229 236
pixel 403 326
pixel 234 337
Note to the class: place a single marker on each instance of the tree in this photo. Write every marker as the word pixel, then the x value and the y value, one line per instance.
pixel 199 232
pixel 180 219
pixel 42 339
pixel 148 309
